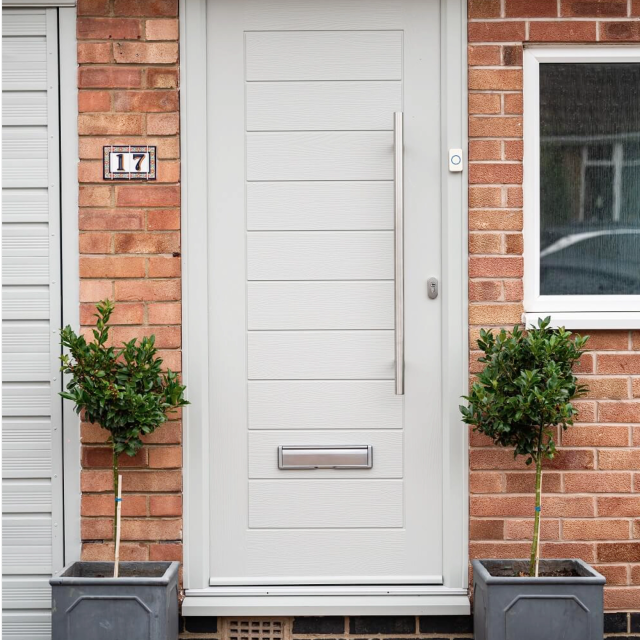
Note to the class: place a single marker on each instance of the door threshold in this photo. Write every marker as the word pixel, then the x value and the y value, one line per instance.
pixel 432 601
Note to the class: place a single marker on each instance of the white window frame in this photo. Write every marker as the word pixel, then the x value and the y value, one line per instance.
pixel 571 311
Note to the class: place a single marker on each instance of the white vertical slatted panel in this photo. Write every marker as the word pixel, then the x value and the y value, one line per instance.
pixel 32 418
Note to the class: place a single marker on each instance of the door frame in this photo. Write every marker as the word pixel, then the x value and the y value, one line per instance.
pixel 451 597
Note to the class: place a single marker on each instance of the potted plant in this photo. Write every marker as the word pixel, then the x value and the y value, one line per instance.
pixel 521 398
pixel 124 390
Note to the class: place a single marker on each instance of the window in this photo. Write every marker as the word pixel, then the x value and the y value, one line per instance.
pixel 582 182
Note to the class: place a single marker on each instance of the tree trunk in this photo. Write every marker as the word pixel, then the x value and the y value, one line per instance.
pixel 536 522
pixel 115 491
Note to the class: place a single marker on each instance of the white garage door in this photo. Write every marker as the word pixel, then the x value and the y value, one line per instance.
pixel 31 316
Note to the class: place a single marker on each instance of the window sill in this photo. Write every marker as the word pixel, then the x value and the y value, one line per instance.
pixel 587 320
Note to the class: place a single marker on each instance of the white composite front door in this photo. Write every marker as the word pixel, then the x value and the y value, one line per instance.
pixel 301 222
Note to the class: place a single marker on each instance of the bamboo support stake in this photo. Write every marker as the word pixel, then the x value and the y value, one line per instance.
pixel 118 514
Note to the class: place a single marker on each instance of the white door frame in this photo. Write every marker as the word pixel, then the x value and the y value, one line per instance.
pixel 451 598
pixel 70 286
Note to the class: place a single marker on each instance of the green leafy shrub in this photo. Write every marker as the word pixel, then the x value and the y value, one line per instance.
pixel 123 389
pixel 523 393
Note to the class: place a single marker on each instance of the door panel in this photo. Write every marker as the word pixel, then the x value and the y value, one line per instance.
pixel 301 250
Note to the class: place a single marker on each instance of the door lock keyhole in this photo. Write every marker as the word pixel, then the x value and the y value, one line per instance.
pixel 432 288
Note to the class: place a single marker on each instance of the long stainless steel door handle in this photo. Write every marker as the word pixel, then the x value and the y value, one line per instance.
pixel 399 249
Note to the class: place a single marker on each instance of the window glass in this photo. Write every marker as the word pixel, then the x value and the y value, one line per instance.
pixel 589 179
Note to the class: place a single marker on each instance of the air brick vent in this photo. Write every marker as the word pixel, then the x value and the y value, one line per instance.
pixel 255 629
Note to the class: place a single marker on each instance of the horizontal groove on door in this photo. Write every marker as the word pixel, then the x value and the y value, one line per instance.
pixel 25 205
pixel 324 404
pixel 318 206
pixel 26 496
pixel 320 305
pixel 26 593
pixel 328 14
pixel 366 255
pixel 320 155
pixel 387 453
pixel 314 504
pixel 335 106
pixel 320 355
pixel 323 55
pixel 25 303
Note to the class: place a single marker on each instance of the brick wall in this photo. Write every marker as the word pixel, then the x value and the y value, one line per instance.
pixel 591 500
pixel 130 252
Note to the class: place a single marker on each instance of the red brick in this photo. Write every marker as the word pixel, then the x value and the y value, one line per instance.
pixel 595 530
pixel 161 30
pixel 479 55
pixel 147 196
pixel 146 101
pixel 165 552
pixel 168 171
pixel 514 243
pixel 95 529
pixel 499 550
pixel 513 290
pixel 562 31
pixel 102 457
pixel 495 267
pixel 513 150
pixel 596 436
pixel 123 313
pixel 495 79
pixel 96 243
pixel 485 103
pixel 635 574
pixel 147 242
pixel 619 551
pixel 484 9
pixel 608 340
pixel 496 31
pixel 167 433
pixel 171 360
pixel 523 529
pixel 165 505
pixel 531 9
pixel 156 481
pixel 552 506
pixel 111 267
pixel 163 124
pixel 586 410
pixel 635 387
pixel 102 505
pixel 495 173
pixel 485 197
pixel 621 459
pixel 90 171
pixel 606 387
pixel 484 290
pixel 577 459
pixel 108 29
pixel 513 103
pixel 627 363
pixel 485 150
pixel 486 530
pixel 619 412
pixel 484 243
pixel 94 196
pixel 147 8
pixel 594 8
pixel 147 529
pixel 581 550
pixel 93 7
pixel 618 506
pixel 95 290
pixel 94 101
pixel 153 290
pixel 526 482
pixel 165 337
pixel 91 148
pixel 514 197
pixel 510 127
pixel 614 573
pixel 495 314
pixel 109 78
pixel 485 482
pixel 102 124
pixel 163 219
pixel 111 219
pixel 495 219
pixel 94 52
pixel 161 78
pixel 620 599
pixel 131 552
pixel 512 55
pixel 145 52
pixel 165 313
pixel 164 268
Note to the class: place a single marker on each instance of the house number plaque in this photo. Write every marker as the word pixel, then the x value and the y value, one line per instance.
pixel 129 162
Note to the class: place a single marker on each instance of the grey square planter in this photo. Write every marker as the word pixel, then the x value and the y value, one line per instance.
pixel 141 604
pixel 562 608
